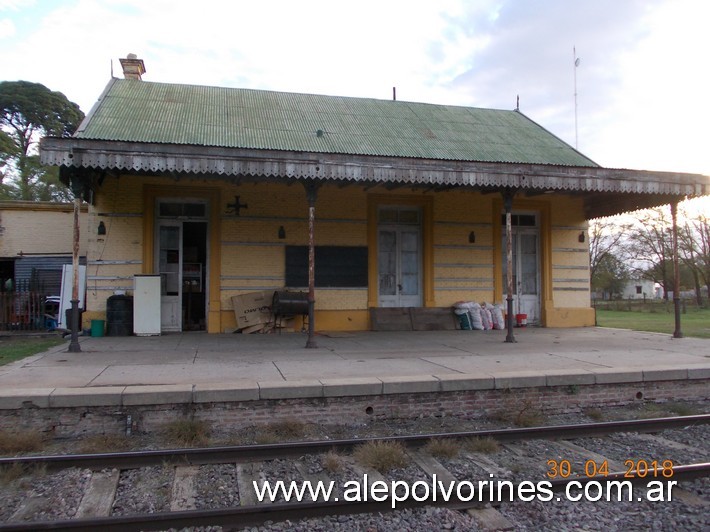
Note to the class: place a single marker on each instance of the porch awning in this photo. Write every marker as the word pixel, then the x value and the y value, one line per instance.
pixel 606 191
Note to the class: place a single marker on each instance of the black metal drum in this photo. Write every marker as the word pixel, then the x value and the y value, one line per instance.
pixel 119 315
pixel 289 303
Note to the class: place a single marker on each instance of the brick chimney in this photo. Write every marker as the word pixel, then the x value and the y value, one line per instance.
pixel 133 68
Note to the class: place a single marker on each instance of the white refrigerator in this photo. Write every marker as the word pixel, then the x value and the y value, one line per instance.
pixel 146 305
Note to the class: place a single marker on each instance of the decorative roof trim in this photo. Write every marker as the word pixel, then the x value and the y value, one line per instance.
pixel 230 162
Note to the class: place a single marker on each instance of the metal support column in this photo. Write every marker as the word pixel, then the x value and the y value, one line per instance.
pixel 77 190
pixel 508 204
pixel 677 333
pixel 311 194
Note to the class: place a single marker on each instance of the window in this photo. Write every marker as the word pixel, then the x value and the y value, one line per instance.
pixel 520 220
pixel 335 266
pixel 182 210
pixel 399 215
pixel 638 289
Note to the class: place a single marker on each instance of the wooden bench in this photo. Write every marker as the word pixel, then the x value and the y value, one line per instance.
pixel 413 319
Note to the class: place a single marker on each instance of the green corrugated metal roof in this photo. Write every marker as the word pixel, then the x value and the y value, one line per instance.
pixel 140 111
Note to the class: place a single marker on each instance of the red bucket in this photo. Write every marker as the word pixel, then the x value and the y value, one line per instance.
pixel 521 320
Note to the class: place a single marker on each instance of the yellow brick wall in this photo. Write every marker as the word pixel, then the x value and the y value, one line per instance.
pixel 251 256
pixel 462 270
pixel 570 264
pixel 564 260
pixel 29 227
pixel 114 258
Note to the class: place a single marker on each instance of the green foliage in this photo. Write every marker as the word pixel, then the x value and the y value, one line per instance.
pixel 31 107
pixel 8 150
pixel 610 275
pixel 29 111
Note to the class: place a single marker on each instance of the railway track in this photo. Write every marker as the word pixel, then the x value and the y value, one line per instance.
pixel 559 455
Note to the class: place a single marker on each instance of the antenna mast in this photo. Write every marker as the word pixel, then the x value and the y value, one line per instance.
pixel 576 64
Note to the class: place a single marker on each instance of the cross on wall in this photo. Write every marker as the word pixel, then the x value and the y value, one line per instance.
pixel 234 208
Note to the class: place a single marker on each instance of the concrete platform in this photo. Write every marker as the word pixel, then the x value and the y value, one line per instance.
pixel 202 368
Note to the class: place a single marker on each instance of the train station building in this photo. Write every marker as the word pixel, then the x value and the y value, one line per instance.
pixel 224 192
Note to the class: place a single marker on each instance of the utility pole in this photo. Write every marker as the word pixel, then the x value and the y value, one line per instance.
pixel 75 321
pixel 677 333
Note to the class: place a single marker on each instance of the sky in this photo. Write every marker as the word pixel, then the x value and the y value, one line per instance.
pixel 642 80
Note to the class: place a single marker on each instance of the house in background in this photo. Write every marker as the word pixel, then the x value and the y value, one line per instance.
pixel 641 289
pixel 36 240
pixel 225 191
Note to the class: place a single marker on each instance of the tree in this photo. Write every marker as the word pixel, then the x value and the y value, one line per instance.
pixel 650 247
pixel 7 152
pixel 29 111
pixel 694 250
pixel 702 226
pixel 610 276
pixel 606 237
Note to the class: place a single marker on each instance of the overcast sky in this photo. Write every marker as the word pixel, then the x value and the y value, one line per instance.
pixel 643 80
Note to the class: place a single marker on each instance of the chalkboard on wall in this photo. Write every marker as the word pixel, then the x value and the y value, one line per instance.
pixel 335 266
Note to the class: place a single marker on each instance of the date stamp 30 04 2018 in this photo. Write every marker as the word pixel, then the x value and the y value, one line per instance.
pixel 591 468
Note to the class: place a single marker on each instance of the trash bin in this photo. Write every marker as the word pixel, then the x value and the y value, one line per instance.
pixel 97 328
pixel 67 318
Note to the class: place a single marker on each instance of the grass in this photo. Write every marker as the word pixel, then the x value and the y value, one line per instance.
pixel 661 319
pixel 332 462
pixel 595 414
pixel 443 448
pixel 521 414
pixel 20 442
pixel 14 348
pixel 485 445
pixel 11 473
pixel 187 433
pixel 104 443
pixel 683 409
pixel 670 409
pixel 381 456
pixel 281 431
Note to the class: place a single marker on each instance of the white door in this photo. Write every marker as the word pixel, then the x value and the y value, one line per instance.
pixel 528 282
pixel 526 273
pixel 169 266
pixel 399 259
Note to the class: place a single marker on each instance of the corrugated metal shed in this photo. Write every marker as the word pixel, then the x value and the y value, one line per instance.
pixel 46 269
pixel 140 111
